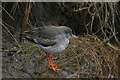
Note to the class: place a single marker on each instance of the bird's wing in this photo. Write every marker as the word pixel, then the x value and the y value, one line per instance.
pixel 42 41
pixel 45 36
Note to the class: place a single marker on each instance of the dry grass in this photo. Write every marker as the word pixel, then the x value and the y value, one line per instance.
pixel 88 57
pixel 84 58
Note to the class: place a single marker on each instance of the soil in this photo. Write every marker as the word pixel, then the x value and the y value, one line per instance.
pixel 85 57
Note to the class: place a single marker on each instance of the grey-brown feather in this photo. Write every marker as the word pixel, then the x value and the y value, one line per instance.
pixel 44 35
pixel 48 35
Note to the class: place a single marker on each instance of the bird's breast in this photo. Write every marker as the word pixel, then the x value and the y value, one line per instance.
pixel 58 47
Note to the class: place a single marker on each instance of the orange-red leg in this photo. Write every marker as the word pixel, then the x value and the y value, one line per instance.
pixel 50 64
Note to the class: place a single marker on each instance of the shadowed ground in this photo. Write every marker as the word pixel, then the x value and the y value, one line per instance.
pixel 85 57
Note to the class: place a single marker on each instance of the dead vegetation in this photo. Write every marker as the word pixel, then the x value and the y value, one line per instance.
pixel 96 54
pixel 84 58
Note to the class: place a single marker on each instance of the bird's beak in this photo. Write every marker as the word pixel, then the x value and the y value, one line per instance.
pixel 74 36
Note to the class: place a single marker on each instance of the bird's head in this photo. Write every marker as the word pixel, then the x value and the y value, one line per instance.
pixel 69 33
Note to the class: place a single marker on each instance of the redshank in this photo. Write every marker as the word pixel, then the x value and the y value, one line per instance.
pixel 52 39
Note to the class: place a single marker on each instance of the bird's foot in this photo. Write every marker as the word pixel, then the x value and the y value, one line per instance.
pixel 50 64
pixel 54 67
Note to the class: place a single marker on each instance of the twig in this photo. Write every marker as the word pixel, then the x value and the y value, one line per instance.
pixel 7 13
pixel 10 34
